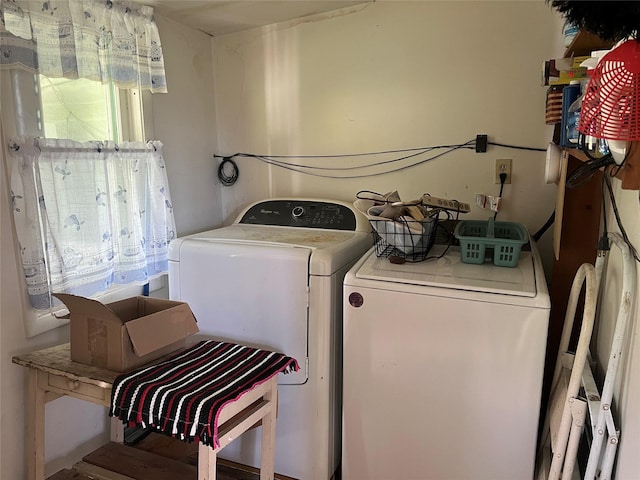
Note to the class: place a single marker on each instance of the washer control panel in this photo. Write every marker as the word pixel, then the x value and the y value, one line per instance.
pixel 300 213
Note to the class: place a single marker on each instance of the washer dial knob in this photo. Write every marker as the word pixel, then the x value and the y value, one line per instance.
pixel 297 212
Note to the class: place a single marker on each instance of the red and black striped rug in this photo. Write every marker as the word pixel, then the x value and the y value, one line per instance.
pixel 182 396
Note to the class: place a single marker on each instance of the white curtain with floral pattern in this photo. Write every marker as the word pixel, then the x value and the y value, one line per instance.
pixel 99 40
pixel 89 215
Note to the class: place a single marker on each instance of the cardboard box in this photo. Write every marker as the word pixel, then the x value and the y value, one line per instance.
pixel 126 334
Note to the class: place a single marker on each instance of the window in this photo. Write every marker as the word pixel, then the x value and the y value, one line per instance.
pixel 87 193
pixel 111 215
pixel 84 110
pixel 79 109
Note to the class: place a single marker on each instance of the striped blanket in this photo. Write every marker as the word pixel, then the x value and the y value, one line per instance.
pixel 183 396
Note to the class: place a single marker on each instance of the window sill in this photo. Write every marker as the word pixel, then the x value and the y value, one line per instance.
pixel 37 323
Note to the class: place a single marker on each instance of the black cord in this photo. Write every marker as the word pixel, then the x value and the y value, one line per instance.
pixel 605 230
pixel 279 160
pixel 449 233
pixel 614 207
pixel 517 147
pixel 469 144
pixel 585 171
pixel 603 242
pixel 503 178
pixel 228 179
pixel 616 168
pixel 299 168
pixel 536 236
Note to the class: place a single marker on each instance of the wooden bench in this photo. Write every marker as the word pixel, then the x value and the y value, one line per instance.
pixel 52 374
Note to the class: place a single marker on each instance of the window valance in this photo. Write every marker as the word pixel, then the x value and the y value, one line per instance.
pixel 100 40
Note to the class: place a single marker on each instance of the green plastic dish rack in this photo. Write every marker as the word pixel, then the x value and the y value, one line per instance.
pixel 506 239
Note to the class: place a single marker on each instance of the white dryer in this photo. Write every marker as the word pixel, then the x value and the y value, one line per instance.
pixel 443 366
pixel 273 279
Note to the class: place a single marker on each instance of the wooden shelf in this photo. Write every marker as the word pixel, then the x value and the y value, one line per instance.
pixel 157 457
pixel 579 154
pixel 584 43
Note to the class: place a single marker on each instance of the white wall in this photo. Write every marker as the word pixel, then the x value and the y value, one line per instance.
pixel 184 122
pixel 391 75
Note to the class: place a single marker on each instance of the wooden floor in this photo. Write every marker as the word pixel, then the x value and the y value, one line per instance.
pixel 155 457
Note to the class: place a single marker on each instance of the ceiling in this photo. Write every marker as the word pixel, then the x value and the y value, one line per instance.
pixel 218 17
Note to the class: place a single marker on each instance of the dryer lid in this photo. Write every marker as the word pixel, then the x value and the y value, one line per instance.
pixel 449 272
pixel 331 249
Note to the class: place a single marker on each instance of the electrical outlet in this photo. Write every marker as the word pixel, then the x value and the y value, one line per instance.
pixel 503 165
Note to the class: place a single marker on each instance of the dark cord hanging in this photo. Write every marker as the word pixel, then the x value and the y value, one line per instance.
pixel 228 172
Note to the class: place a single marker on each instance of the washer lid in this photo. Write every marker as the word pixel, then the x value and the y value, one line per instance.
pixel 449 272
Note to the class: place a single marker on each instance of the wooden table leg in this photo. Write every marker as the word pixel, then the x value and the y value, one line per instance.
pixel 207 461
pixel 117 430
pixel 260 405
pixel 35 427
pixel 267 455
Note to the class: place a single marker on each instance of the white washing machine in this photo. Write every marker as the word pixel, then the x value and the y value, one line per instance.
pixel 443 366
pixel 273 279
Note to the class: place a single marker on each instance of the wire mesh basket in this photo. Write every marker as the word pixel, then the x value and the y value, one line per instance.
pixel 407 239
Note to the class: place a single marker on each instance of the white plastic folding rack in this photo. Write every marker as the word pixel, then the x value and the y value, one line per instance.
pixel 574 391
